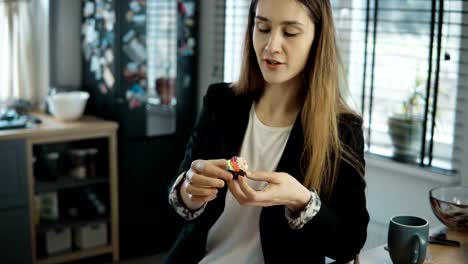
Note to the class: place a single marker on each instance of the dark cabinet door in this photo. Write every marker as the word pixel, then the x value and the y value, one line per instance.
pixel 15 246
pixel 13 183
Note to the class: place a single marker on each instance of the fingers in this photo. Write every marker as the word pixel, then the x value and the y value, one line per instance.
pixel 212 168
pixel 203 181
pixel 262 176
pixel 221 163
pixel 246 189
pixel 203 199
pixel 237 192
pixel 200 191
pixel 247 196
pixel 250 194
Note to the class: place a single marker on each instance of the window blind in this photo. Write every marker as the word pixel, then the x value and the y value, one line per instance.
pixel 218 53
pixel 391 50
pixel 237 12
pixel 161 41
pixel 24 51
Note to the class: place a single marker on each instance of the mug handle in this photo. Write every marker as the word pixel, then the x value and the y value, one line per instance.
pixel 418 244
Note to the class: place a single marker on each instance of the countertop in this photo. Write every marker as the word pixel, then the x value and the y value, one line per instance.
pixel 436 254
pixel 51 127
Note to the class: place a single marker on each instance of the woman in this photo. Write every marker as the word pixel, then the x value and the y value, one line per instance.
pixel 303 198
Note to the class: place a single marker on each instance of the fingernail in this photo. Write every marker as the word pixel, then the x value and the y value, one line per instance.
pixel 200 166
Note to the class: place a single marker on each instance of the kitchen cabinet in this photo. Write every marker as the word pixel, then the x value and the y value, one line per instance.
pixel 14 215
pixel 15 246
pixel 20 149
pixel 13 189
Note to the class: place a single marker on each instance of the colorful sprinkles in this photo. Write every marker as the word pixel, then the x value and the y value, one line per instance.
pixel 237 166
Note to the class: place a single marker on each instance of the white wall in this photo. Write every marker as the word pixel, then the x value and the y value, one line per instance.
pixel 395 189
pixel 210 26
pixel 65 44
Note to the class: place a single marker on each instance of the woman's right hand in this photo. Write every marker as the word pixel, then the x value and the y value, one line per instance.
pixel 202 182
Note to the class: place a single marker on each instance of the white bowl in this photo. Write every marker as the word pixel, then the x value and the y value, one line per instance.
pixel 68 106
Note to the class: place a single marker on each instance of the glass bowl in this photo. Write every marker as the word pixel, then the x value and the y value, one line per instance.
pixel 450 205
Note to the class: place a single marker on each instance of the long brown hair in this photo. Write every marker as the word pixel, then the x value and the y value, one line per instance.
pixel 323 104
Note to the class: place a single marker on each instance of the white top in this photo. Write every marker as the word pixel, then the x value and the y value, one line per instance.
pixel 235 237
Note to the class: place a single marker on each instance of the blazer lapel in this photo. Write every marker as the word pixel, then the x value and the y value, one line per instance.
pixel 290 161
pixel 235 125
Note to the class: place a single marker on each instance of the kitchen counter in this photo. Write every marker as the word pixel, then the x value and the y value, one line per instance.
pixel 52 127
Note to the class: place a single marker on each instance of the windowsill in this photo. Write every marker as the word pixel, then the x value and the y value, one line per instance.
pixel 411 170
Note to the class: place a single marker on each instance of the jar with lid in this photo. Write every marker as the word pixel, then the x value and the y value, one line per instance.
pixel 91 162
pixel 47 167
pixel 78 163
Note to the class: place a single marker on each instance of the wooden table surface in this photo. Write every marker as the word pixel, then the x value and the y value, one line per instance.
pixel 436 254
pixel 439 254
pixel 52 127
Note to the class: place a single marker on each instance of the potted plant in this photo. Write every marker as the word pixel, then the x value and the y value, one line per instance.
pixel 406 127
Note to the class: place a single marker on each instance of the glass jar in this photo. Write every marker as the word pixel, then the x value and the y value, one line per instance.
pixel 51 170
pixel 91 162
pixel 78 163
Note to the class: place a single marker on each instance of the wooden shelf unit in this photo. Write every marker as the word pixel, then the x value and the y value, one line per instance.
pixel 65 183
pixel 69 223
pixel 76 255
pixel 54 131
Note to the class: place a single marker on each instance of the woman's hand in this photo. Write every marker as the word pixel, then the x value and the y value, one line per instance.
pixel 202 181
pixel 282 189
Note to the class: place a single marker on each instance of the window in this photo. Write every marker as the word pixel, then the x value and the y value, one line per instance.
pixel 237 12
pixel 393 50
pixel 402 58
pixel 5 52
pixel 161 41
pixel 24 50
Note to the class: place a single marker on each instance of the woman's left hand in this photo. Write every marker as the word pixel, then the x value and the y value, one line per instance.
pixel 282 189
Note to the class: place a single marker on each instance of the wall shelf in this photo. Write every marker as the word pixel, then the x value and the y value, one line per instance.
pixel 66 182
pixel 68 223
pixel 76 255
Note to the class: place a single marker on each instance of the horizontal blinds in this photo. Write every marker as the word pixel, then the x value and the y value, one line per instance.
pixel 389 48
pixel 6 87
pixel 161 41
pixel 462 95
pixel 237 12
pixel 386 48
pixel 218 52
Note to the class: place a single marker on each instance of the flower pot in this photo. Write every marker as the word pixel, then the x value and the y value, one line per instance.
pixel 406 135
pixel 166 90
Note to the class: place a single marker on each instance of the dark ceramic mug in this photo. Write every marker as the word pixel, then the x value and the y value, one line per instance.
pixel 407 239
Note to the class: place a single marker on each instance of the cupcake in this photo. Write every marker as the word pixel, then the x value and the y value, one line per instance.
pixel 237 166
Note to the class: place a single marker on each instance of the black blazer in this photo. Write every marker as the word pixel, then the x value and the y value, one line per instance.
pixel 337 231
